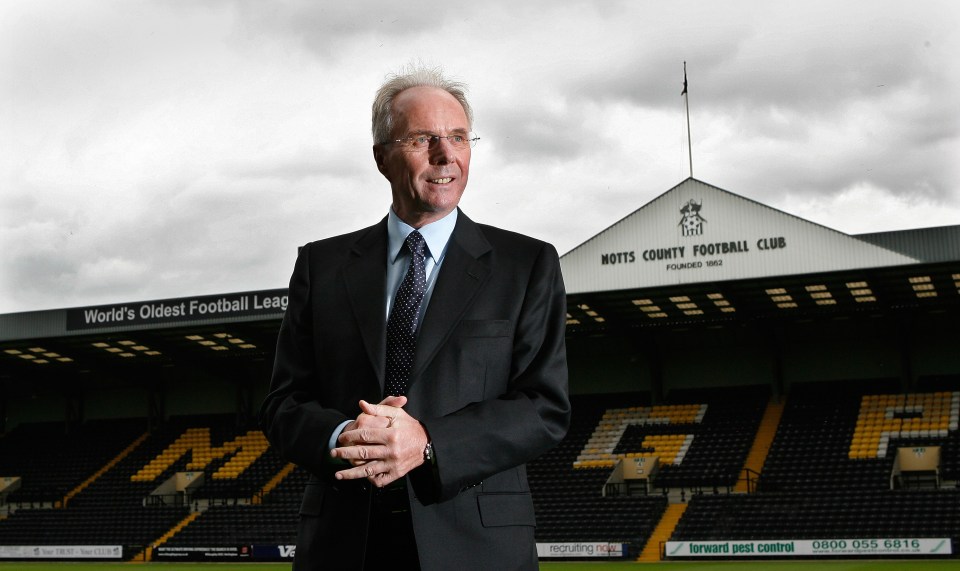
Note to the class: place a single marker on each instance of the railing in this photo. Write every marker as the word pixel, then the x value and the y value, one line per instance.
pixel 176 500
pixel 752 478
pixel 615 489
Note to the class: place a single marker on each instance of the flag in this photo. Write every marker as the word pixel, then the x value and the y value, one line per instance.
pixel 684 79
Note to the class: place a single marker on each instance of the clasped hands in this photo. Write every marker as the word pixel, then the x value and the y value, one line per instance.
pixel 382 444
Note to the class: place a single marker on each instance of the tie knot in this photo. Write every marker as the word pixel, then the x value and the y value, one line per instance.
pixel 416 244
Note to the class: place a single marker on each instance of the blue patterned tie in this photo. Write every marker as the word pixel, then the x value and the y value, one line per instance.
pixel 402 324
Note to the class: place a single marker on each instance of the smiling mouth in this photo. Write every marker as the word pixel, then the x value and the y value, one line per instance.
pixel 441 180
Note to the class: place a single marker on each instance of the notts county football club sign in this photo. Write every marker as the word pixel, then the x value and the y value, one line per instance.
pixel 697 233
pixel 694 254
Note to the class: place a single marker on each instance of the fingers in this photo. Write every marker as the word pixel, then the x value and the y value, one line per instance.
pixel 380 415
pixel 365 444
pixel 384 409
pixel 381 455
pixel 373 463
pixel 377 473
pixel 361 452
pixel 376 444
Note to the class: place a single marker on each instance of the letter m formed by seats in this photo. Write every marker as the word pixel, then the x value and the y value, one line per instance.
pixel 245 449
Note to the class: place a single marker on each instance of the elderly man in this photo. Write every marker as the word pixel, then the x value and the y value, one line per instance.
pixel 420 364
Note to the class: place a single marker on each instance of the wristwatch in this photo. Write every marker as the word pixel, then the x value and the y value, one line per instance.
pixel 428 454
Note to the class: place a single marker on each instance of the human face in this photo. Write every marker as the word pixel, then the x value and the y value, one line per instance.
pixel 426 185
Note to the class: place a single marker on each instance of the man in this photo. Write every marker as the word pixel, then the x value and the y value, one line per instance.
pixel 420 364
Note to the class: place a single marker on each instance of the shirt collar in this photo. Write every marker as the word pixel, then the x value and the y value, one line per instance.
pixel 436 234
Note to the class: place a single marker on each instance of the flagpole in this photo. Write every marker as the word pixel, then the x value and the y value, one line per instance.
pixel 686 101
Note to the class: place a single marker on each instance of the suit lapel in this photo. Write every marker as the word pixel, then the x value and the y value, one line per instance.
pixel 461 277
pixel 366 278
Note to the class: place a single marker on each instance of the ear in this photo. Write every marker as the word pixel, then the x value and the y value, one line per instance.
pixel 379 158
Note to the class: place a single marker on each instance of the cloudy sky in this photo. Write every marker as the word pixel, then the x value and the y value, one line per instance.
pixel 168 148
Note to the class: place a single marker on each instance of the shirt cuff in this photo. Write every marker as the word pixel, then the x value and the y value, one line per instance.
pixel 332 443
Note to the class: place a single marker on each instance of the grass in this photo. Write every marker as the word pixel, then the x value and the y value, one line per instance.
pixel 851 565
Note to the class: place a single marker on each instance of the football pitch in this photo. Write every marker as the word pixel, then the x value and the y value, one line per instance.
pixel 858 565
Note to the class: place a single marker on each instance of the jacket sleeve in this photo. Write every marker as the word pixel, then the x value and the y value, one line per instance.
pixel 291 416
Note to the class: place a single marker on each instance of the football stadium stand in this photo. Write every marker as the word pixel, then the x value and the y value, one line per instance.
pixel 107 483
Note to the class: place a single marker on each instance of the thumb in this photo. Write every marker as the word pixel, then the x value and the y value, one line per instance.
pixel 396 401
pixel 376 410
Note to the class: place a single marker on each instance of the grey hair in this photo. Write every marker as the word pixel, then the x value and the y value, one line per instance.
pixel 412 76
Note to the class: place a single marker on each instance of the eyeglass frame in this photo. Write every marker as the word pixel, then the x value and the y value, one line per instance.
pixel 470 138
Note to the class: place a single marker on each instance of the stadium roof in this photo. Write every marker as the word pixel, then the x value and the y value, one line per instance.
pixel 699 254
pixel 750 263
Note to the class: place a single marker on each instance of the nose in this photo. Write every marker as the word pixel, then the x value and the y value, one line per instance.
pixel 442 152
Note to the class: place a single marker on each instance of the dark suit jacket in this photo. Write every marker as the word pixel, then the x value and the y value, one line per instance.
pixel 489 383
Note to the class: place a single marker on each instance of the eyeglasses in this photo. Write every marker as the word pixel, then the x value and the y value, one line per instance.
pixel 423 142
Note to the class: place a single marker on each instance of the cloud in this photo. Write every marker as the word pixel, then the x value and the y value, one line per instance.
pixel 889 209
pixel 160 149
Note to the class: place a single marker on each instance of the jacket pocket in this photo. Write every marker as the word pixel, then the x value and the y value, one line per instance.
pixel 485 328
pixel 498 510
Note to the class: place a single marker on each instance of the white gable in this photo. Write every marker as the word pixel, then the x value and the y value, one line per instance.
pixel 698 233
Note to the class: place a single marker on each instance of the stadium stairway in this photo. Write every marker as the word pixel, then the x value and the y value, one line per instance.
pixel 273 483
pixel 103 470
pixel 761 444
pixel 661 533
pixel 147 553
